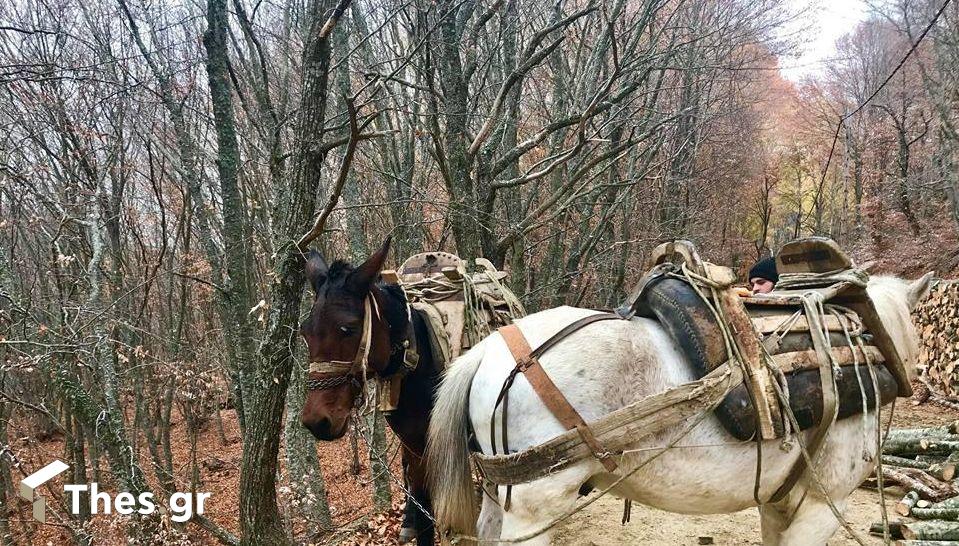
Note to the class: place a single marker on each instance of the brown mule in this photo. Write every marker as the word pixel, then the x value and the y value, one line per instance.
pixel 358 328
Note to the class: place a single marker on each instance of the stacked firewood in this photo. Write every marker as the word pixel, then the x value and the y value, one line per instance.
pixel 922 461
pixel 937 320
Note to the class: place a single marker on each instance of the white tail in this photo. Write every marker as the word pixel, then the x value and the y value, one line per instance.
pixel 447 448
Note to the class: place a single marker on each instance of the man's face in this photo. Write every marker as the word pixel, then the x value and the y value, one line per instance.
pixel 760 285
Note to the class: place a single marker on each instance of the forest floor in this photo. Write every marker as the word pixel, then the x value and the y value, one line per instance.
pixel 350 498
pixel 350 495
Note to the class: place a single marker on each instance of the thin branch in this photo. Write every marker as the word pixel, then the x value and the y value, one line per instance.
pixel 531 59
pixel 354 138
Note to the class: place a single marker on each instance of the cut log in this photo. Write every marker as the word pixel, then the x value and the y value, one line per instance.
pixel 952 502
pixel 902 477
pixel 928 543
pixel 906 505
pixel 926 432
pixel 946 489
pixel 895 529
pixel 932 512
pixel 906 462
pixel 931 459
pixel 937 323
pixel 943 471
pixel 931 530
pixel 896 445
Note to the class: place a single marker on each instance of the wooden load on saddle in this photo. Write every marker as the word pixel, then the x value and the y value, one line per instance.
pixel 459 307
pixel 816 341
pixel 817 326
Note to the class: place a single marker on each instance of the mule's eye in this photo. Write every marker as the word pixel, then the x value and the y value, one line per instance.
pixel 347 330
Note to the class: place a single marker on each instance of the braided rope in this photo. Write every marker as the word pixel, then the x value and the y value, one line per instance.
pixel 329 382
pixel 480 316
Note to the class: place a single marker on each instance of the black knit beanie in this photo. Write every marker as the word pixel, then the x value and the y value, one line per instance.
pixel 765 269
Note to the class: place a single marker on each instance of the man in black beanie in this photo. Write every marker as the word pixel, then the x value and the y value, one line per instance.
pixel 763 276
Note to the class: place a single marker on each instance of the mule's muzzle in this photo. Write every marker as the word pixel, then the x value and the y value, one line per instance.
pixel 324 430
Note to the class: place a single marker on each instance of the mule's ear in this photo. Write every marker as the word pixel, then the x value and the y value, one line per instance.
pixel 316 269
pixel 918 290
pixel 363 277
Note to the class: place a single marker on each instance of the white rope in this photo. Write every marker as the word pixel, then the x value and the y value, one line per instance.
pixel 794 281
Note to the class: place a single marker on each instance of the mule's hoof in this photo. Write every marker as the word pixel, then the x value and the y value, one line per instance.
pixel 407 535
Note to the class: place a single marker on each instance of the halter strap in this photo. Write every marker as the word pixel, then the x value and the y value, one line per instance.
pixel 361 359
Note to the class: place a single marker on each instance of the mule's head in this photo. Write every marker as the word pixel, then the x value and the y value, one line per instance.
pixel 895 299
pixel 333 333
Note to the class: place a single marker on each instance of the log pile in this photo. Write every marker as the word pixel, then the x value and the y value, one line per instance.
pixel 923 461
pixel 937 321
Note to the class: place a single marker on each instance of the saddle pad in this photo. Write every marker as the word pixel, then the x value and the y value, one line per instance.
pixel 439 338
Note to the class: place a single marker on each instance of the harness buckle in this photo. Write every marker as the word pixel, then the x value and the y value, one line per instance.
pixel 526 363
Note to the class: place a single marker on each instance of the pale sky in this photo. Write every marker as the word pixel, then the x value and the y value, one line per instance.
pixel 818 30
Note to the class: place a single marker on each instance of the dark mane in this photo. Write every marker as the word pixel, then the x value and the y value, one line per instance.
pixel 339 270
pixel 396 313
pixel 394 291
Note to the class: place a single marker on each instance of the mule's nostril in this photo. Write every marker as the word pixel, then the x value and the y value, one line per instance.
pixel 320 429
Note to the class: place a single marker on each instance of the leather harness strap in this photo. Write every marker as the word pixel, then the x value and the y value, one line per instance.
pixel 527 362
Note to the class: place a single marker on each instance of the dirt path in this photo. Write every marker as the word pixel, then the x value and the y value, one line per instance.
pixel 599 525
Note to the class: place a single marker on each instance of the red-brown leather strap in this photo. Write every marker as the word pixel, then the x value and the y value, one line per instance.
pixel 550 394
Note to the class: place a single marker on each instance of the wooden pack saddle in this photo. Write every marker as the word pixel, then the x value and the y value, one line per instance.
pixel 459 307
pixel 775 325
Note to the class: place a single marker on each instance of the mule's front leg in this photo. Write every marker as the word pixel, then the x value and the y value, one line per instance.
pixel 417 524
pixel 813 523
pixel 490 521
pixel 408 528
pixel 424 518
pixel 772 522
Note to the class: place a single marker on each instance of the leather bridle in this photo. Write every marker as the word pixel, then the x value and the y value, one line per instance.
pixel 346 371
pixel 341 372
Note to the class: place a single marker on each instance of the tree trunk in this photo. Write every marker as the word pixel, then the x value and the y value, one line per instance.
pixel 293 214
pixel 6 484
pixel 379 467
pixel 236 276
pixel 902 181
pixel 459 175
pixel 303 466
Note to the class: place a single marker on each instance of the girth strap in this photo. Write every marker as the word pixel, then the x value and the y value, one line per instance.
pixel 527 362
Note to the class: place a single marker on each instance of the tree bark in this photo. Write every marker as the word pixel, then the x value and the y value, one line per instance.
pixel 260 520
pixel 459 175
pixel 236 276
pixel 303 465
pixel 382 495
